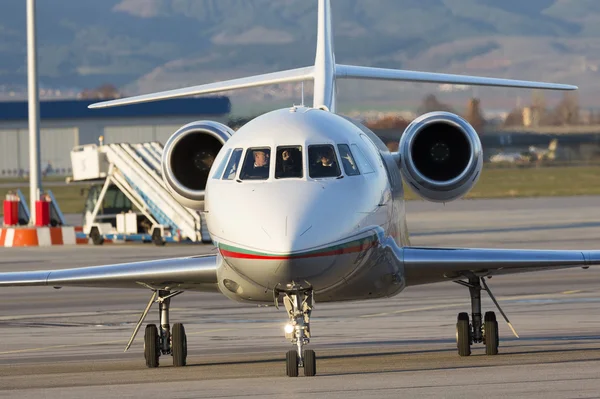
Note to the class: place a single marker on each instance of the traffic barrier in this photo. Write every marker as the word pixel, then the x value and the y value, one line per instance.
pixel 37 237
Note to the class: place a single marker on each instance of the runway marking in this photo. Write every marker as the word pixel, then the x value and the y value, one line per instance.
pixel 124 342
pixel 454 305
pixel 451 305
pixel 60 347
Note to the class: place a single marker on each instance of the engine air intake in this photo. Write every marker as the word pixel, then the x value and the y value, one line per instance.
pixel 441 156
pixel 188 158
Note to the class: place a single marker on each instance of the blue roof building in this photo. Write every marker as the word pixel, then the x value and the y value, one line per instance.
pixel 65 124
pixel 78 109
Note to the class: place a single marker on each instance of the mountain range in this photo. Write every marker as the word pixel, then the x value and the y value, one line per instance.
pixel 147 45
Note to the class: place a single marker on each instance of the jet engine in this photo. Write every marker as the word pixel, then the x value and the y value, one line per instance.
pixel 188 157
pixel 440 156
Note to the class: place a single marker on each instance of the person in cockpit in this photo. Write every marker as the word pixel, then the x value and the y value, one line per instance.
pixel 260 168
pixel 326 166
pixel 288 166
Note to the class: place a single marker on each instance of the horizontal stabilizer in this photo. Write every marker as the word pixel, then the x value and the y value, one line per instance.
pixel 357 72
pixel 292 75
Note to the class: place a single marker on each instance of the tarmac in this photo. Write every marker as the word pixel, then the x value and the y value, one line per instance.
pixel 69 343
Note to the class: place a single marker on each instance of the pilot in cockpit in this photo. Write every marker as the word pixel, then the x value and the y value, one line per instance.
pixel 326 165
pixel 287 163
pixel 260 168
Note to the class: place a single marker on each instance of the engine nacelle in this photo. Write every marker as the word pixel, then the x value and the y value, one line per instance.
pixel 441 156
pixel 188 157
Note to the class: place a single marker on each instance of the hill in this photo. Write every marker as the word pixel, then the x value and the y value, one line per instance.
pixel 144 45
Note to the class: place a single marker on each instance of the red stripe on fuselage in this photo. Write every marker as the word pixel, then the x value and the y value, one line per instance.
pixel 238 255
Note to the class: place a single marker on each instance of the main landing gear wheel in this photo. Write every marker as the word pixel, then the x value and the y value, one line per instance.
pixel 159 340
pixel 491 337
pixel 463 335
pixel 483 329
pixel 96 237
pixel 310 363
pixel 291 363
pixel 179 345
pixel 298 301
pixel 157 238
pixel 151 346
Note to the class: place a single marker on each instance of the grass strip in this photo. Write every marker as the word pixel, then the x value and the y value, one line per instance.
pixel 494 183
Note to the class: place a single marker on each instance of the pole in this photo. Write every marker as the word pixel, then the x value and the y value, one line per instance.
pixel 35 184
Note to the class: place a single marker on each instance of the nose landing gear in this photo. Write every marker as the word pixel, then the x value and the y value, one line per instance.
pixel 298 301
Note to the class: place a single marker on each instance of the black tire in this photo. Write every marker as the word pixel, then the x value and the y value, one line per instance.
pixel 96 237
pixel 491 335
pixel 157 238
pixel 310 363
pixel 179 345
pixel 291 363
pixel 151 346
pixel 463 335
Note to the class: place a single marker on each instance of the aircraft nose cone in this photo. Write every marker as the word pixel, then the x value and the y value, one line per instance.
pixel 291 217
pixel 295 231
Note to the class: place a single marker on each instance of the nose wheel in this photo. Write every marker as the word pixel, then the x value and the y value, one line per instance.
pixel 298 301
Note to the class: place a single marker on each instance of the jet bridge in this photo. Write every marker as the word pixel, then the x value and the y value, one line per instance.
pixel 128 200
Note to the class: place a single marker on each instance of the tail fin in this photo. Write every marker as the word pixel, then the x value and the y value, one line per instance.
pixel 325 72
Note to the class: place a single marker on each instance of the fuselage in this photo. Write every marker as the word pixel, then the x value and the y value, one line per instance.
pixel 304 195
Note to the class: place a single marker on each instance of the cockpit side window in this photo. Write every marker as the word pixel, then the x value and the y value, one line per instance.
pixel 289 162
pixel 232 166
pixel 322 162
pixel 362 161
pixel 257 164
pixel 219 171
pixel 350 166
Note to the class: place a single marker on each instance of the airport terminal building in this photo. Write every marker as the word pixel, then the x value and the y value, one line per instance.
pixel 66 124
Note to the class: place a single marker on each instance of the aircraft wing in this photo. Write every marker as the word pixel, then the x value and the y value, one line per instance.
pixel 434 265
pixel 197 273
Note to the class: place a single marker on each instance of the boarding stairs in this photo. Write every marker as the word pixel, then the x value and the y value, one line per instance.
pixel 136 170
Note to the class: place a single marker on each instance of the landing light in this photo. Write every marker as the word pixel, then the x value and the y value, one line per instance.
pixel 289 328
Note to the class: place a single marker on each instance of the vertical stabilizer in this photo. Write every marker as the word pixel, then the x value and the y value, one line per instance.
pixel 324 73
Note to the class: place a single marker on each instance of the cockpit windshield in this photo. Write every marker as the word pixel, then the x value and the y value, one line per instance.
pixel 289 162
pixel 232 166
pixel 322 162
pixel 256 164
pixel 350 166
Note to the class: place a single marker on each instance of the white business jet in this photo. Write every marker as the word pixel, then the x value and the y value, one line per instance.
pixel 304 206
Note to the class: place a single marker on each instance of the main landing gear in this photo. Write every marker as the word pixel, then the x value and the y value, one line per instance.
pixel 161 340
pixel 480 329
pixel 298 302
